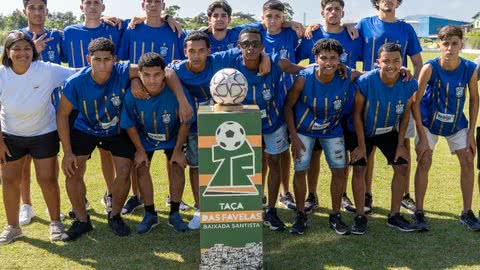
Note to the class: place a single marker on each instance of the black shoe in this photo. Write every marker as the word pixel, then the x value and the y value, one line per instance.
pixel 118 226
pixel 78 229
pixel 311 203
pixel 336 224
pixel 347 204
pixel 368 203
pixel 470 221
pixel 273 221
pixel 397 221
pixel 419 221
pixel 301 223
pixel 408 203
pixel 359 226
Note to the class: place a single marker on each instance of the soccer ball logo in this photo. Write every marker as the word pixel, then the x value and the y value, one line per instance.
pixel 230 136
pixel 228 87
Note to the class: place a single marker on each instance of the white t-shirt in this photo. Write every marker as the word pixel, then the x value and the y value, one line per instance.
pixel 25 100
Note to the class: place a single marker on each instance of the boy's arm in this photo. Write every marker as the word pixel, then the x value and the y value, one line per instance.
pixel 290 101
pixel 472 111
pixel 289 67
pixel 424 77
pixel 361 151
pixel 402 151
pixel 69 162
pixel 417 62
pixel 178 156
pixel 173 82
pixel 140 154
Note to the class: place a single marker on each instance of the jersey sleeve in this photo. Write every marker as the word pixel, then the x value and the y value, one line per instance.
pixel 127 118
pixel 225 58
pixel 70 93
pixel 58 74
pixel 413 46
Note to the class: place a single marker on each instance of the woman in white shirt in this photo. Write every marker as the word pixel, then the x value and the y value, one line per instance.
pixel 28 127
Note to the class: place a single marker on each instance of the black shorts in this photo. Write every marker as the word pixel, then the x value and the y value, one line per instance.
pixel 387 143
pixel 168 154
pixel 72 117
pixel 39 147
pixel 478 147
pixel 350 140
pixel 83 144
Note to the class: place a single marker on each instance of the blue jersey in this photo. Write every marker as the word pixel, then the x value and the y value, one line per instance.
pixel 442 104
pixel 51 54
pixel 99 106
pixel 477 61
pixel 76 38
pixel 375 32
pixel 319 108
pixel 384 106
pixel 264 92
pixel 352 49
pixel 229 42
pixel 157 119
pixel 144 39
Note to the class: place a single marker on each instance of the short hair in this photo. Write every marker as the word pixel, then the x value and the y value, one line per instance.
pixel 389 47
pixel 25 2
pixel 219 4
pixel 450 31
pixel 377 7
pixel 251 30
pixel 101 44
pixel 327 44
pixel 81 1
pixel 10 41
pixel 274 5
pixel 197 36
pixel 324 3
pixel 151 59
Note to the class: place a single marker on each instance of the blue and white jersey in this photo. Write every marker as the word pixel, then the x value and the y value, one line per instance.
pixel 229 42
pixel 352 49
pixel 143 39
pixel 319 108
pixel 444 99
pixel 157 119
pixel 384 105
pixel 375 32
pixel 76 38
pixel 99 106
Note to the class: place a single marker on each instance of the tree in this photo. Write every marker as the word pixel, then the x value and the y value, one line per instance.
pixel 239 18
pixel 15 21
pixel 197 22
pixel 288 11
pixel 172 10
pixel 60 20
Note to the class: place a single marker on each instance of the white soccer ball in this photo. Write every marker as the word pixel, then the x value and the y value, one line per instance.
pixel 228 87
pixel 230 136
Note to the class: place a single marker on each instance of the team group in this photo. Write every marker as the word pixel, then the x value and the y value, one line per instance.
pixel 148 102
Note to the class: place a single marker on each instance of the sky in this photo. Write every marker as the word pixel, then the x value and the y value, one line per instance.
pixel 309 9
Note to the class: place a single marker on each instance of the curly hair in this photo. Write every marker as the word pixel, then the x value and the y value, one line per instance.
pixel 377 7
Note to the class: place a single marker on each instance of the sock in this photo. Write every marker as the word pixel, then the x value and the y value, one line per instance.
pixel 174 207
pixel 150 209
pixel 117 216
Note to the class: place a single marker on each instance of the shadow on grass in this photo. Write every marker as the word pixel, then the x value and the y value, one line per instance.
pixel 163 248
pixel 447 245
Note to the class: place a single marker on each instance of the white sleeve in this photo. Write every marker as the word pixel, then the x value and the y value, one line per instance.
pixel 59 74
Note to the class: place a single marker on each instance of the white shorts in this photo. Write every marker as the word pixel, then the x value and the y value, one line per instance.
pixel 457 141
pixel 411 128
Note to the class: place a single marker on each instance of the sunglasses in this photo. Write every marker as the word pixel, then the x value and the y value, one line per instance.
pixel 247 44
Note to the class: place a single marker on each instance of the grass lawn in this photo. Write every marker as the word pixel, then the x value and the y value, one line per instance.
pixel 447 245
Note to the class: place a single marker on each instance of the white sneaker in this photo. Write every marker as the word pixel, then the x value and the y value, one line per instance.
pixel 194 224
pixel 26 214
pixel 57 231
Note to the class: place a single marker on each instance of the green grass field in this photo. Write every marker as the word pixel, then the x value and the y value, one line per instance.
pixel 447 245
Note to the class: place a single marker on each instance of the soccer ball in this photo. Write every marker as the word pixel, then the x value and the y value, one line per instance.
pixel 230 136
pixel 228 87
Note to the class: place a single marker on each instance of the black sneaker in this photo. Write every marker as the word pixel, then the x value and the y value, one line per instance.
pixel 419 221
pixel 301 223
pixel 118 226
pixel 336 224
pixel 311 203
pixel 273 221
pixel 470 221
pixel 347 204
pixel 78 229
pixel 368 203
pixel 397 221
pixel 131 205
pixel 408 203
pixel 359 226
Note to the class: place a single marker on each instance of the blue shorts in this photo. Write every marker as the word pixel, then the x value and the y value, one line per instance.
pixel 277 141
pixel 334 149
pixel 192 150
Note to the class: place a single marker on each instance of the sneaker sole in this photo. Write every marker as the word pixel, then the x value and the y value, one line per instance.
pixel 175 228
pixel 296 232
pixel 359 233
pixel 273 228
pixel 339 232
pixel 468 227
pixel 12 240
pixel 151 228
pixel 400 229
